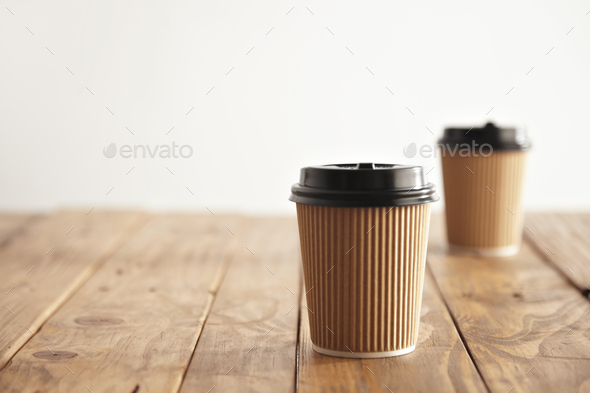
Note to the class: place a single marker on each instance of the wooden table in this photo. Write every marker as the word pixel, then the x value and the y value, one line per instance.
pixel 129 302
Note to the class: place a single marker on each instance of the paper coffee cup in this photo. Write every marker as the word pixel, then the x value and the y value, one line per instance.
pixel 364 232
pixel 483 171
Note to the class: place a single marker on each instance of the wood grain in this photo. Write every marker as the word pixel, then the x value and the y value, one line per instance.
pixel 249 342
pixel 10 224
pixel 440 362
pixel 133 326
pixel 517 316
pixel 45 267
pixel 564 241
pixel 135 323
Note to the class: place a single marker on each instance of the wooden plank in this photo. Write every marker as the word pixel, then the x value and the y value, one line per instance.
pixel 440 362
pixel 564 241
pixel 10 224
pixel 43 266
pixel 133 326
pixel 250 340
pixel 525 326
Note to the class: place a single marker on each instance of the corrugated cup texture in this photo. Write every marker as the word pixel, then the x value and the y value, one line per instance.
pixel 364 273
pixel 483 197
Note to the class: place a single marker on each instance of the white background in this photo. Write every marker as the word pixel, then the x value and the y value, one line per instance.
pixel 300 97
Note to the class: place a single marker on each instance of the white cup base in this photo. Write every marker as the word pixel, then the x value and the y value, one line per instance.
pixel 363 355
pixel 486 251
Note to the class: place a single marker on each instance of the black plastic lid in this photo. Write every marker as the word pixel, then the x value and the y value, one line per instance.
pixel 498 138
pixel 363 185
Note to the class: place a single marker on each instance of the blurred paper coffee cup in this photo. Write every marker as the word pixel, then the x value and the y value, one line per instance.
pixel 483 171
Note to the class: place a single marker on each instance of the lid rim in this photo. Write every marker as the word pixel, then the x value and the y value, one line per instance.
pixel 498 138
pixel 299 190
pixel 363 185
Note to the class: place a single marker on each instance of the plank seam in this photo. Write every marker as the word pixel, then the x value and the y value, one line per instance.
pixel 213 292
pixel 456 324
pixel 537 248
pixel 85 277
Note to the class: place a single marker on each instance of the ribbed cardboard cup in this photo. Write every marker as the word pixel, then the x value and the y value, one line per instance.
pixel 483 197
pixel 364 274
pixel 364 233
pixel 483 188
